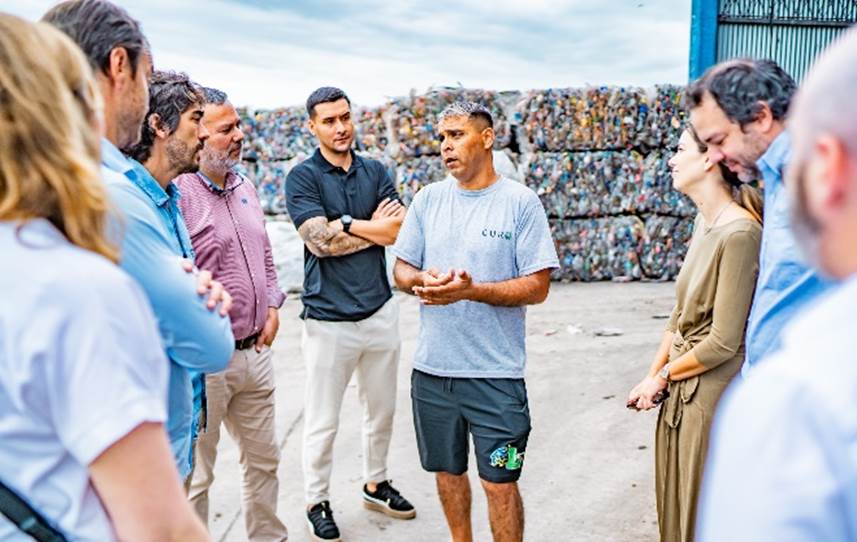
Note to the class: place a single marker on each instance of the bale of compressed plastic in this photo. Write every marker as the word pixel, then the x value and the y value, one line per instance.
pixel 414 118
pixel 589 118
pixel 593 249
pixel 586 184
pixel 276 134
pixel 657 194
pixel 665 116
pixel 415 173
pixel 371 130
pixel 664 245
pixel 604 183
pixel 270 181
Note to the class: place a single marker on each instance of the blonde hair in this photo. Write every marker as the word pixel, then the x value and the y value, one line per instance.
pixel 49 139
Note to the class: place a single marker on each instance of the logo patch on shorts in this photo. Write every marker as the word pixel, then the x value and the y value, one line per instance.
pixel 507 457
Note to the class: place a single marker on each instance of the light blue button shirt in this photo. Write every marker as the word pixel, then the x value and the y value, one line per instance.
pixel 786 283
pixel 154 240
pixel 783 458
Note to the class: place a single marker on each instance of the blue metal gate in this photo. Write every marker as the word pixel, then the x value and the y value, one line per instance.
pixel 791 32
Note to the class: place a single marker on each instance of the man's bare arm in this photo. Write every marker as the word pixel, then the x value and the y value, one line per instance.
pixel 381 231
pixel 527 290
pixel 406 277
pixel 137 480
pixel 325 239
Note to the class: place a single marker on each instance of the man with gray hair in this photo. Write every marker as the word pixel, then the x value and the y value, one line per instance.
pixel 782 464
pixel 739 110
pixel 227 229
pixel 476 248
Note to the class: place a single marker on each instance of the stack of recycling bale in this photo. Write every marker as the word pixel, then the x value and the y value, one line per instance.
pixel 597 158
pixel 415 142
pixel 276 140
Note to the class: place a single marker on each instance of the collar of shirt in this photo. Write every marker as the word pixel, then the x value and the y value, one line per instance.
pixel 149 185
pixel 113 159
pixel 233 181
pixel 167 201
pixel 771 163
pixel 327 167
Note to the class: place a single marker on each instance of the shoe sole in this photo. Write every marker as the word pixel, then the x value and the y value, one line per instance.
pixel 317 538
pixel 386 510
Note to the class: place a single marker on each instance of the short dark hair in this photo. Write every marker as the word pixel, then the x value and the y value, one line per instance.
pixel 98 27
pixel 214 96
pixel 170 95
pixel 738 86
pixel 324 95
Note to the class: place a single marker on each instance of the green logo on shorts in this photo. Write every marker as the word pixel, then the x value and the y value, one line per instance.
pixel 507 457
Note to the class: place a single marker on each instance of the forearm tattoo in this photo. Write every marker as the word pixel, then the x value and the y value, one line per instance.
pixel 324 241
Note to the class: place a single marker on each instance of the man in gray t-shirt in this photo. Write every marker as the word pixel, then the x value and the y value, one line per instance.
pixel 476 249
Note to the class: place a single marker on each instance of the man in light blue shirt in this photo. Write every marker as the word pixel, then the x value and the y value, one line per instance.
pixel 783 458
pixel 171 138
pixel 738 109
pixel 193 336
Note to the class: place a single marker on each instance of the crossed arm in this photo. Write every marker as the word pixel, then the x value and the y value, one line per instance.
pixel 435 288
pixel 326 239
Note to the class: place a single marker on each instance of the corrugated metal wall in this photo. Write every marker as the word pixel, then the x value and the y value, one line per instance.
pixel 792 32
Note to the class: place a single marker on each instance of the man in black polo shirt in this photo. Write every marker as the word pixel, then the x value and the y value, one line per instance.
pixel 346 210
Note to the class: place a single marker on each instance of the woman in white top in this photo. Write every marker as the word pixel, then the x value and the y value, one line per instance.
pixel 83 378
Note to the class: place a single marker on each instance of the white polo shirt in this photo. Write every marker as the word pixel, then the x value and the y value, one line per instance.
pixel 81 365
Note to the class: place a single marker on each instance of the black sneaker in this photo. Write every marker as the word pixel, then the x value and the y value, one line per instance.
pixel 319 519
pixel 387 500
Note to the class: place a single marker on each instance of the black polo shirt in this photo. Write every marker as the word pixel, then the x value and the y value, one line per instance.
pixel 341 288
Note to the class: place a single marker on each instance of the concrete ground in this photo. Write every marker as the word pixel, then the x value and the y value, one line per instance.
pixel 588 475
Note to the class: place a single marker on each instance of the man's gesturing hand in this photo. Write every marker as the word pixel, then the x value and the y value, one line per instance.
pixel 445 289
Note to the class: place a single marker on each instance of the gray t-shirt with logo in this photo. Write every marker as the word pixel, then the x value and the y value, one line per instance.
pixel 496 234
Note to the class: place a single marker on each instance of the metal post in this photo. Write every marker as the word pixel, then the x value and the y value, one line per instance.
pixel 703 36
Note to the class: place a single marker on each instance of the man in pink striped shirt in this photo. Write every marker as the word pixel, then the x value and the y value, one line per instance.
pixel 227 230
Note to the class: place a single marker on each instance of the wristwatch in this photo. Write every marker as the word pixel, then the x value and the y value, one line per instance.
pixel 665 372
pixel 346 222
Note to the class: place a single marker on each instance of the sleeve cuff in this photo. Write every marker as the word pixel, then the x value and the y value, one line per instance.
pixel 303 217
pixel 406 257
pixel 529 270
pixel 276 299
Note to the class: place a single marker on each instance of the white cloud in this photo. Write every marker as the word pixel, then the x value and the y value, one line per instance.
pixel 268 53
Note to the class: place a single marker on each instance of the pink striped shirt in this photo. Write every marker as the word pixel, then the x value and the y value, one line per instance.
pixel 227 230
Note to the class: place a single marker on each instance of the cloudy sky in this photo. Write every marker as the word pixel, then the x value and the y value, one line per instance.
pixel 268 53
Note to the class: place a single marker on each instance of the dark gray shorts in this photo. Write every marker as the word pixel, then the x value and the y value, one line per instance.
pixel 493 410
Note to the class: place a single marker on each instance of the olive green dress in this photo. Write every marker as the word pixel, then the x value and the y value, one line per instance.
pixel 714 291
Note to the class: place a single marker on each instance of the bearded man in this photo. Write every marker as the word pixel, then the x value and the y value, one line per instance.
pixel 227 230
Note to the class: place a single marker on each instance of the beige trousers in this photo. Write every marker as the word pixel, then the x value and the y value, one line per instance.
pixel 332 352
pixel 242 397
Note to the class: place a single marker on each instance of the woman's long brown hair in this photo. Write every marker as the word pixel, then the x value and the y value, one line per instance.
pixel 49 140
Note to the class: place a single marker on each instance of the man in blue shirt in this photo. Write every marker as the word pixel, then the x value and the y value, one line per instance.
pixel 193 335
pixel 170 141
pixel 782 464
pixel 739 109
